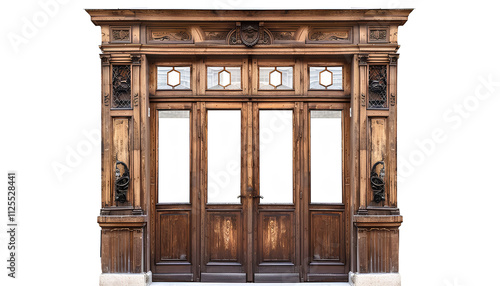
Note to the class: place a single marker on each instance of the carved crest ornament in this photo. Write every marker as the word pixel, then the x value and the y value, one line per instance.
pixel 249 34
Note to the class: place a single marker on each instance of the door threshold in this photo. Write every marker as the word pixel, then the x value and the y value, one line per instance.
pixel 239 284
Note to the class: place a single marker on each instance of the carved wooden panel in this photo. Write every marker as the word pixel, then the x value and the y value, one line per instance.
pixel 378 34
pixel 120 35
pixel 121 250
pixel 174 236
pixel 378 139
pixel 378 250
pixel 378 153
pixel 120 151
pixel 224 237
pixel 169 36
pixel 276 237
pixel 326 236
pixel 329 35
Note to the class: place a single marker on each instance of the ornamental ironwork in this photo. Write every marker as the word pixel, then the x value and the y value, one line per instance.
pixel 377 87
pixel 121 87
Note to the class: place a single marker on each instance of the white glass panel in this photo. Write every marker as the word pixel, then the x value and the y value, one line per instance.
pixel 276 156
pixel 269 78
pixel 173 156
pixel 168 78
pixel 330 79
pixel 326 156
pixel 218 78
pixel 224 160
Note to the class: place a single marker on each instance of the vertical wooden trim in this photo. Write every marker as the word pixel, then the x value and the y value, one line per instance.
pixel 203 186
pixel 105 32
pixel 196 191
pixel 391 188
pixel 354 151
pixel 363 172
pixel 136 34
pixel 106 195
pixel 305 189
pixel 250 184
pixel 254 77
pixel 135 197
pixel 245 76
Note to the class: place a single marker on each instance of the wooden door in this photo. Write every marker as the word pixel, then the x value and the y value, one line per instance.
pixel 248 212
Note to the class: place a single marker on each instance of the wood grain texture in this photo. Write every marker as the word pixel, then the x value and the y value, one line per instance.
pixel 326 236
pixel 121 250
pixel 174 236
pixel 224 237
pixel 276 238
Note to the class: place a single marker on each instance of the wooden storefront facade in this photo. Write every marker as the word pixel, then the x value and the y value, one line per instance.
pixel 249 146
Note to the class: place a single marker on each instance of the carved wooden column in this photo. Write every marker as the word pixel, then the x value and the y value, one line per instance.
pixel 376 219
pixel 124 156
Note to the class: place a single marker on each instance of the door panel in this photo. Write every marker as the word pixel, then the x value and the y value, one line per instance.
pixel 276 223
pixel 223 209
pixel 174 230
pixel 326 185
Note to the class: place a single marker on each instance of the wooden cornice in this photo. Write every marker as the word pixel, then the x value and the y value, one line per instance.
pixel 105 16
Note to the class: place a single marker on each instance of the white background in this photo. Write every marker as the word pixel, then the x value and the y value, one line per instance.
pixel 448 190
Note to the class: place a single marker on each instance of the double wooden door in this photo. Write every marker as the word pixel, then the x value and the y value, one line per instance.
pixel 249 191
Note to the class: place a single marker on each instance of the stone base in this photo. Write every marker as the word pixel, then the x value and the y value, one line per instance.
pixel 125 279
pixel 374 279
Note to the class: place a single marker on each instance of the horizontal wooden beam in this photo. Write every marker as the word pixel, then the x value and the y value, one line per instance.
pixel 102 16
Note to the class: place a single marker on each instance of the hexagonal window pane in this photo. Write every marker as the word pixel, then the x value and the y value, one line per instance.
pixel 329 78
pixel 173 78
pixel 224 78
pixel 325 78
pixel 276 78
pixel 228 78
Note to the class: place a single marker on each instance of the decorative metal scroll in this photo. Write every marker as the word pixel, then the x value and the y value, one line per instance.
pixel 377 86
pixel 121 87
pixel 378 183
pixel 121 182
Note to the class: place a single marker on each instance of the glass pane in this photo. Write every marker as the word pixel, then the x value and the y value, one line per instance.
pixel 325 78
pixel 326 156
pixel 276 156
pixel 224 160
pixel 223 77
pixel 173 156
pixel 174 78
pixel 275 77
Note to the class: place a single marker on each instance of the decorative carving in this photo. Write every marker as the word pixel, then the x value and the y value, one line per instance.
pixel 249 34
pixel 120 35
pixel 377 182
pixel 136 59
pixel 378 35
pixel 363 100
pixel 105 59
pixel 283 36
pixel 363 59
pixel 106 99
pixel 329 36
pixel 170 35
pixel 393 99
pixel 136 99
pixel 215 36
pixel 393 59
